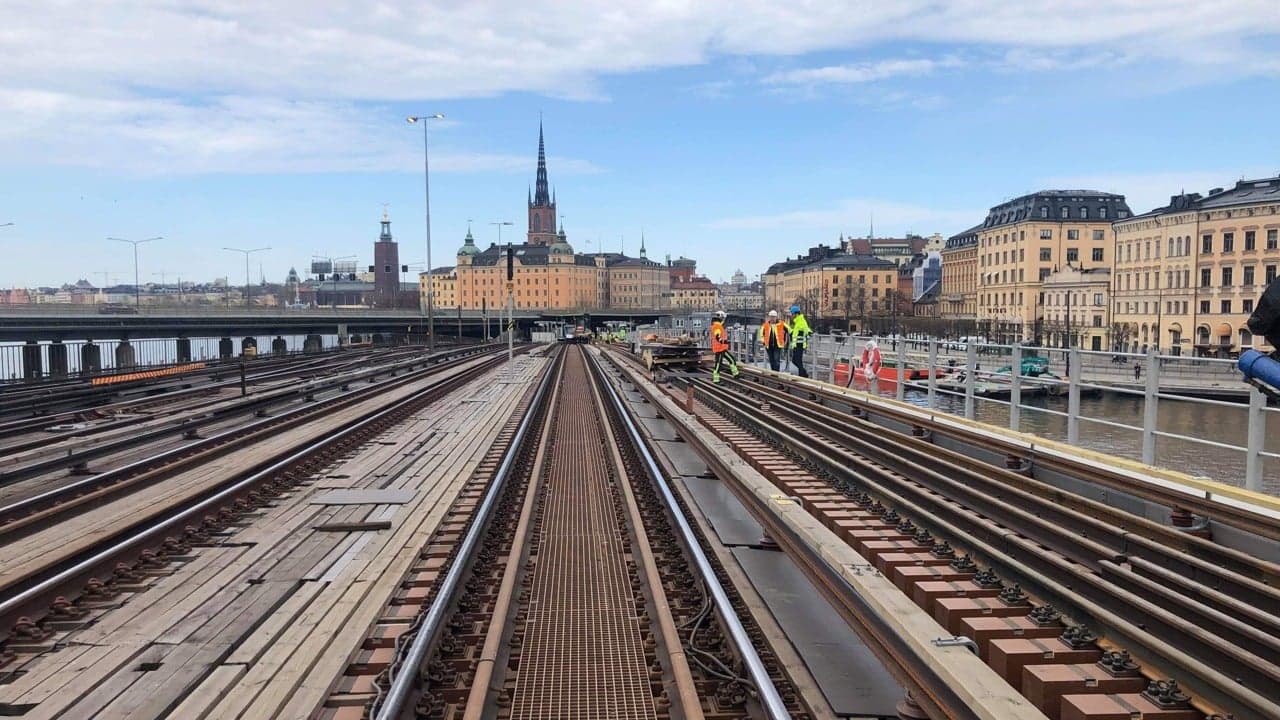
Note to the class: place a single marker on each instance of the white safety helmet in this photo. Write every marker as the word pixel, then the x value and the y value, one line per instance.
pixel 773 313
pixel 720 315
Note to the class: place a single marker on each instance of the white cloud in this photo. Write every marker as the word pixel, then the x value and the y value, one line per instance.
pixel 860 72
pixel 890 217
pixel 194 85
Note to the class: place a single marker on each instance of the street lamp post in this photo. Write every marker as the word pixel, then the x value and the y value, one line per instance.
pixel 247 253
pixel 137 286
pixel 426 172
pixel 499 224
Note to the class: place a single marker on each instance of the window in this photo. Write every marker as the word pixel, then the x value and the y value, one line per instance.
pixel 1226 307
pixel 1228 242
pixel 1073 255
pixel 1271 239
pixel 1205 277
pixel 1084 213
pixel 1226 276
pixel 1044 273
pixel 1246 306
pixel 1248 276
pixel 1250 240
pixel 1065 213
pixel 1097 299
pixel 1099 234
pixel 1044 211
pixel 875 292
pixel 386 268
pixel 1206 244
pixel 1073 234
pixel 1204 307
pixel 1102 212
pixel 1046 234
pixel 1046 254
pixel 1097 254
pixel 1270 274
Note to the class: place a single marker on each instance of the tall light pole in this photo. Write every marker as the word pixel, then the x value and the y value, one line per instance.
pixel 499 224
pixel 247 253
pixel 426 173
pixel 137 286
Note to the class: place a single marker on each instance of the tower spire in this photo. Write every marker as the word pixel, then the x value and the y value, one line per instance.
pixel 642 251
pixel 541 196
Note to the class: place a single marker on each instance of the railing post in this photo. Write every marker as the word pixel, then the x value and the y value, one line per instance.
pixel 1151 408
pixel 1253 460
pixel 1015 387
pixel 970 376
pixel 902 368
pixel 933 373
pixel 1073 397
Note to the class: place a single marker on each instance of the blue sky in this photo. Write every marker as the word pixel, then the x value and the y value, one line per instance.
pixel 735 133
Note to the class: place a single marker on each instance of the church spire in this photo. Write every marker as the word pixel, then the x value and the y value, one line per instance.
pixel 642 250
pixel 541 196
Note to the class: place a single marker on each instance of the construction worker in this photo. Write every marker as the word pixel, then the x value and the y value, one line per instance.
pixel 773 335
pixel 799 332
pixel 720 346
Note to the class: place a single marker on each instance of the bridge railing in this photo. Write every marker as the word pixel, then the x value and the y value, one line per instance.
pixel 1194 415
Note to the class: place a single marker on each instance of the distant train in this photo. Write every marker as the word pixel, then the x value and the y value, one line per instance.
pixel 578 334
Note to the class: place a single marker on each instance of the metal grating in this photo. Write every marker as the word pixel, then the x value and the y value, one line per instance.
pixel 583 655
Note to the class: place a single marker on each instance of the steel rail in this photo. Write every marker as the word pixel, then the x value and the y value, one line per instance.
pixel 40 591
pixel 1133 619
pixel 999 490
pixel 911 668
pixel 393 702
pixel 20 511
pixel 1201 504
pixel 200 418
pixel 769 697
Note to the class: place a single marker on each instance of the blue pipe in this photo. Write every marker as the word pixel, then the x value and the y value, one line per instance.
pixel 1260 366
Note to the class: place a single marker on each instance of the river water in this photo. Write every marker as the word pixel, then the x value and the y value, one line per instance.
pixel 1216 423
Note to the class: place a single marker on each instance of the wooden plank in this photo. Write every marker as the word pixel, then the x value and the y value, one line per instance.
pixel 208 692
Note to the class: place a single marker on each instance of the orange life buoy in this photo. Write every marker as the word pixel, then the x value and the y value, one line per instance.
pixel 871 362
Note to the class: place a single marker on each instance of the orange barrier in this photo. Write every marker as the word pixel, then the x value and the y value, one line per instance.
pixel 145 374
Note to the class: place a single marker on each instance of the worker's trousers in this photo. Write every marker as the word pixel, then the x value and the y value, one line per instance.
pixel 775 357
pixel 724 356
pixel 797 359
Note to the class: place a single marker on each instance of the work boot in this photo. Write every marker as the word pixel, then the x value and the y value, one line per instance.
pixel 734 370
pixel 715 376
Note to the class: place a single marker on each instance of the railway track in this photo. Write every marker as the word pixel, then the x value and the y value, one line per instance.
pixel 60 590
pixel 40 456
pixel 572 585
pixel 1132 611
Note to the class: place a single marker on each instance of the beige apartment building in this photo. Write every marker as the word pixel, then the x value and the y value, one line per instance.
pixel 1076 308
pixel 696 294
pixel 1187 275
pixel 840 288
pixel 1023 241
pixel 959 298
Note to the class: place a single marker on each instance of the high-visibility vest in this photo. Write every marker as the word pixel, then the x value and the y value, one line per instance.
pixel 779 333
pixel 719 343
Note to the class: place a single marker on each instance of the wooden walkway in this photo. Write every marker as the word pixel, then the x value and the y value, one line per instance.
pixel 263 624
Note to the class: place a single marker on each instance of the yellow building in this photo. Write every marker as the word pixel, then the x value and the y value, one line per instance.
pixel 839 288
pixel 1075 308
pixel 1024 240
pixel 695 294
pixel 1187 275
pixel 959 299
pixel 445 290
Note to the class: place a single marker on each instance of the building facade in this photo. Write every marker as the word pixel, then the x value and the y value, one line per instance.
pixel 694 295
pixel 959 296
pixel 546 272
pixel 1023 241
pixel 1187 275
pixel 386 268
pixel 836 288
pixel 1076 308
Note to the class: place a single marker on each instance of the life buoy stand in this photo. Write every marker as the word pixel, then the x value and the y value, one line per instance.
pixel 871 361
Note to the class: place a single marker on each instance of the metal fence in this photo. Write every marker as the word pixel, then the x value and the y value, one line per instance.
pixel 1194 415
pixel 34 362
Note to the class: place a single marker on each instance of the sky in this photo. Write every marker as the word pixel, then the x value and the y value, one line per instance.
pixel 737 133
